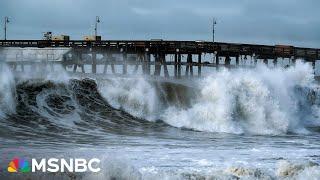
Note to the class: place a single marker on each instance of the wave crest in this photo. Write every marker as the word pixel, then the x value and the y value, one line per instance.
pixel 260 101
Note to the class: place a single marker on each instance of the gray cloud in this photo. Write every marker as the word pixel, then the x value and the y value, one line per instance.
pixel 293 22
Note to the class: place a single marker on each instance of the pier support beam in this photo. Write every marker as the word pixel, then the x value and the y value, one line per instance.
pixel 81 63
pixel 164 62
pixel 265 61
pixel 64 61
pixel 125 67
pixel 314 64
pixel 237 60
pixel 34 64
pixel 217 61
pixel 19 58
pixel 109 59
pixel 77 58
pixel 94 62
pixel 227 61
pixel 51 63
pixel 179 65
pixel 275 62
pixel 147 59
pixel 143 62
pixel 112 60
pixel 160 60
pixel 157 67
pixel 136 66
pixel 255 60
pixel 199 65
pixel 139 61
pixel 189 67
pixel 176 65
pixel 105 59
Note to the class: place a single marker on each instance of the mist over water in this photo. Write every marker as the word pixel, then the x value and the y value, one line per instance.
pixel 260 123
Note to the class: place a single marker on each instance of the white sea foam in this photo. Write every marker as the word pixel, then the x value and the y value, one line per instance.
pixel 259 101
pixel 256 101
pixel 135 96
pixel 302 170
pixel 7 91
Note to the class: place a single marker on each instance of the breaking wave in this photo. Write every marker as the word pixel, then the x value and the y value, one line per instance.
pixel 7 91
pixel 259 101
pixel 115 114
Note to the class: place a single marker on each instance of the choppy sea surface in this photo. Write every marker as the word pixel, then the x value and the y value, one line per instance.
pixel 258 123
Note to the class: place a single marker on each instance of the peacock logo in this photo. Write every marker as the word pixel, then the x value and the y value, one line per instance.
pixel 19 165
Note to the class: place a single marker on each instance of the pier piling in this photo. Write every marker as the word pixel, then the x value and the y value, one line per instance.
pixel 94 62
pixel 199 65
pixel 136 53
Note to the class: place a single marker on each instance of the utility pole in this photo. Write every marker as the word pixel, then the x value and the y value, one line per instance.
pixel 96 26
pixel 6 21
pixel 214 22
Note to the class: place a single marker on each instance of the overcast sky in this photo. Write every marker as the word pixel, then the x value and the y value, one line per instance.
pixel 295 22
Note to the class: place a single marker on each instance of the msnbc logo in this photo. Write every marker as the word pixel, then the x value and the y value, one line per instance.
pixel 54 165
pixel 18 165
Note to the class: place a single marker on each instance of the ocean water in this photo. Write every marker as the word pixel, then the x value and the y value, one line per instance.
pixel 260 123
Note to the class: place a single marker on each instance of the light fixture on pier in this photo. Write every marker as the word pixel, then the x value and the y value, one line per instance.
pixel 214 22
pixel 6 21
pixel 177 50
pixel 96 26
pixel 147 49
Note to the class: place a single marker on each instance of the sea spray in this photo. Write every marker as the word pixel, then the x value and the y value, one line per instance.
pixel 163 152
pixel 7 91
pixel 259 101
pixel 136 96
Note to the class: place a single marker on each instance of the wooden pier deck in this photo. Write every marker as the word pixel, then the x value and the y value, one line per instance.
pixel 152 54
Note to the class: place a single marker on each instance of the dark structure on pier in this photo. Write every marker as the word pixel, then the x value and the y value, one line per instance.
pixel 141 53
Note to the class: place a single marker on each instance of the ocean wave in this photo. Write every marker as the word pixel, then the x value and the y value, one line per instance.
pixel 260 101
pixel 7 91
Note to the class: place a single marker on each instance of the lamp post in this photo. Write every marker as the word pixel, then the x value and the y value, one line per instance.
pixel 6 21
pixel 214 22
pixel 96 25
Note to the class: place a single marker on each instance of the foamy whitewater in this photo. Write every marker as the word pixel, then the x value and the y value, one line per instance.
pixel 262 101
pixel 260 123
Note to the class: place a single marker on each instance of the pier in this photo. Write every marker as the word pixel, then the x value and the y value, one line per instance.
pixel 155 57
